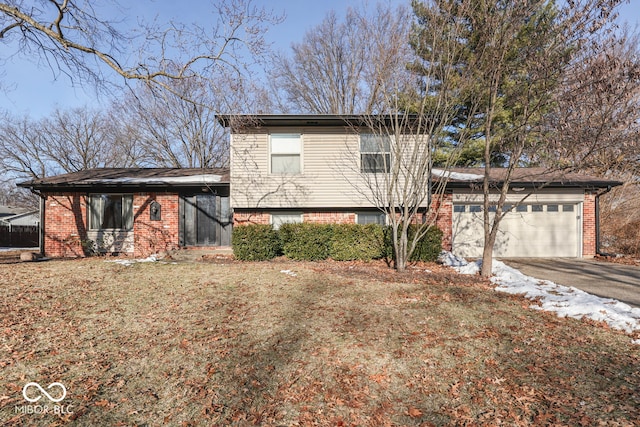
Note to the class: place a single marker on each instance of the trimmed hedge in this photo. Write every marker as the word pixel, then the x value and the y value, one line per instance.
pixel 255 242
pixel 357 242
pixel 313 242
pixel 427 249
pixel 306 241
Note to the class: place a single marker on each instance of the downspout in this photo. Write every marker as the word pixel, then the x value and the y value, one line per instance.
pixel 597 208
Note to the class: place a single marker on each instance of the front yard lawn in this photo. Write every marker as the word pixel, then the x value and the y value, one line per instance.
pixel 283 343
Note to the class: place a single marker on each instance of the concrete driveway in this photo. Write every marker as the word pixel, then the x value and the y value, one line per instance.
pixel 604 279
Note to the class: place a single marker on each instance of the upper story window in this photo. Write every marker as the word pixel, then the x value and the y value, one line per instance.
pixel 375 153
pixel 285 153
pixel 110 212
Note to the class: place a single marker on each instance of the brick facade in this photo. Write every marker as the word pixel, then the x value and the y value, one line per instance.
pixel 251 217
pixel 444 220
pixel 65 225
pixel 589 226
pixel 155 236
pixel 66 234
pixel 330 217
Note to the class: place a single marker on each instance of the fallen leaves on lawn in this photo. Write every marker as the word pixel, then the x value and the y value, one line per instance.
pixel 341 344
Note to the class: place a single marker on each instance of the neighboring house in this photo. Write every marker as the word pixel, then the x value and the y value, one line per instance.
pixel 301 168
pixel 133 211
pixel 19 227
pixel 28 218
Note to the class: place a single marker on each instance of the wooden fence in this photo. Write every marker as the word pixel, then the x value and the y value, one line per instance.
pixel 19 236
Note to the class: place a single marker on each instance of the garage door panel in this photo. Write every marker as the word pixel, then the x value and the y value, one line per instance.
pixel 522 234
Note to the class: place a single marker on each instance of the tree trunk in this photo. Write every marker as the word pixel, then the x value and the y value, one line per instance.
pixel 400 247
pixel 487 253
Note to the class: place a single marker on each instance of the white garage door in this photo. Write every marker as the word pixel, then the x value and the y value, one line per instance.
pixel 530 230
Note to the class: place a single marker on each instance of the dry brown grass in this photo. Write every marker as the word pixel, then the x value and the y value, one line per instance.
pixel 224 343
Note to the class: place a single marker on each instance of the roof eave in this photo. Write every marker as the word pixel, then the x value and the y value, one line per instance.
pixel 67 187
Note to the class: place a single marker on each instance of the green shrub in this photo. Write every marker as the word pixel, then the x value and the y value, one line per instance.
pixel 428 248
pixel 255 242
pixel 306 241
pixel 357 242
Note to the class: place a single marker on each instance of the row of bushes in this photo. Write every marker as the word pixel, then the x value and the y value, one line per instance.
pixel 341 242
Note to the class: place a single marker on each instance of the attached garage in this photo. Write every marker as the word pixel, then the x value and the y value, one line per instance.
pixel 546 218
pixel 538 229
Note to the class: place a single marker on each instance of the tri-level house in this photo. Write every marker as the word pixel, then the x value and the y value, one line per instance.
pixel 304 168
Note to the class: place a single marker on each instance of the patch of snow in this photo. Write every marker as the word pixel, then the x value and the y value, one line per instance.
pixel 289 273
pixel 456 175
pixel 565 301
pixel 130 262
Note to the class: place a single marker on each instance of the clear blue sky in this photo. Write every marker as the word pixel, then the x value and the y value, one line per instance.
pixel 35 91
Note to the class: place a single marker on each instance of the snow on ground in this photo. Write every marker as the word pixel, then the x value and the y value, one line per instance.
pixel 565 301
pixel 130 262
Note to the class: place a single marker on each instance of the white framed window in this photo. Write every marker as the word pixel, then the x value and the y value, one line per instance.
pixel 279 218
pixel 285 149
pixel 373 217
pixel 110 212
pixel 375 153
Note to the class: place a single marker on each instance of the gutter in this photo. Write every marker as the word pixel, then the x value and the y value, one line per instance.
pixel 601 193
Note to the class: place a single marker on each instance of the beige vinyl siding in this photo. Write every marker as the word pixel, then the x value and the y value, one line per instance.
pixel 329 165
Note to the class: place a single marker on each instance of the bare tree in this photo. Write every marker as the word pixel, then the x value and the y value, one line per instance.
pixel 596 119
pixel 67 141
pixel 393 161
pixel 173 132
pixel 22 148
pixel 71 37
pixel 341 65
pixel 78 139
pixel 597 123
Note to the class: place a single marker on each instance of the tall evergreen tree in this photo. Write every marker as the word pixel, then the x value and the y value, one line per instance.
pixel 515 54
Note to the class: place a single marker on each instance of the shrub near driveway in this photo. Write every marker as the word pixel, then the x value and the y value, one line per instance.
pixel 337 344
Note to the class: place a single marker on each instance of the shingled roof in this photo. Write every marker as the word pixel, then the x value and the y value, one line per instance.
pixel 128 178
pixel 525 177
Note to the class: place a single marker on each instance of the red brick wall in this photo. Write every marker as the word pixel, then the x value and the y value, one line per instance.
pixel 589 226
pixel 444 219
pixel 152 237
pixel 253 217
pixel 65 224
pixel 330 217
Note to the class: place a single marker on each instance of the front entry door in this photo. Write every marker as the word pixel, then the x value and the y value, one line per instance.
pixel 205 220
